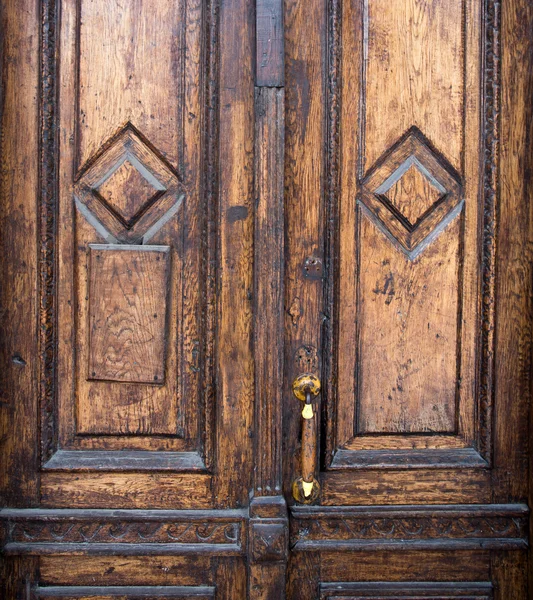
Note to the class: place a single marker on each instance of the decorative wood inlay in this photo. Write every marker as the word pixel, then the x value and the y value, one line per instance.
pixel 47 229
pixel 128 192
pixel 41 531
pixel 394 590
pixel 128 187
pixel 269 542
pixel 127 312
pixel 491 153
pixel 438 526
pixel 411 193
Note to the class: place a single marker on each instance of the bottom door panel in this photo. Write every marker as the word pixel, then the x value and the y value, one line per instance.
pixel 124 577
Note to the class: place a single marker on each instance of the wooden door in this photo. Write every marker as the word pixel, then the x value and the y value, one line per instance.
pixel 408 294
pixel 127 367
pixel 203 201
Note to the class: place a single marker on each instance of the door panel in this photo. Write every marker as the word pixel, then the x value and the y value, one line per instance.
pixel 126 298
pixel 410 212
pixel 130 172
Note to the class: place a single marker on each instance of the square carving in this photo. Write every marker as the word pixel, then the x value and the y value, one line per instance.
pixel 269 542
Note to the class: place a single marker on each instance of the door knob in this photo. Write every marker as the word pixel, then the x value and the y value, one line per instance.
pixel 306 488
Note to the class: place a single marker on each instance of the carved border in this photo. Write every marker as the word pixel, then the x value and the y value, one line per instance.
pixel 491 19
pixel 331 252
pixel 48 218
pixel 128 532
pixel 491 149
pixel 48 212
pixel 489 526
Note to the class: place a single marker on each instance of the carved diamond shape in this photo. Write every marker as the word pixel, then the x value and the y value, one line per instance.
pixel 128 190
pixel 412 193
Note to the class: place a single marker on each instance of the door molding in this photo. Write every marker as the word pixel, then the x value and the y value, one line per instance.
pixel 40 531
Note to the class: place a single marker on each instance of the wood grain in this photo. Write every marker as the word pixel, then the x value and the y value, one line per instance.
pixel 407 368
pixel 406 42
pixel 131 82
pixel 126 490
pixel 127 313
pixel 235 371
pixel 132 570
pixel 19 165
pixel 269 63
pixel 109 113
pixel 406 565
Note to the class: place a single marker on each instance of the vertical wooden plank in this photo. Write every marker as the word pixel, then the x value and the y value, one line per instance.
pixel 304 576
pixel 305 34
pixel 19 152
pixel 509 576
pixel 230 578
pixel 269 63
pixel 235 374
pixel 268 275
pixel 17 576
pixel 515 248
pixel 268 547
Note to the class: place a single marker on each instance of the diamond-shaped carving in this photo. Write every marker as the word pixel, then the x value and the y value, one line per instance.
pixel 412 193
pixel 128 189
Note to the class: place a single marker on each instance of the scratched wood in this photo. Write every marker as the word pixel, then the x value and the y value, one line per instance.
pixel 127 314
pixel 407 352
pixel 134 155
pixel 162 123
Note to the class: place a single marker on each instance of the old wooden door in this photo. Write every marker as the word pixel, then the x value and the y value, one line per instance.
pixel 204 201
pixel 408 228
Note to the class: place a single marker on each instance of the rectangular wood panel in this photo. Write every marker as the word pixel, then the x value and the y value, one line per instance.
pixel 408 229
pixel 134 326
pixel 127 299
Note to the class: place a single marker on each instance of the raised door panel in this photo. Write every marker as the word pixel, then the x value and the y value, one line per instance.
pixel 132 295
pixel 409 229
pixel 131 213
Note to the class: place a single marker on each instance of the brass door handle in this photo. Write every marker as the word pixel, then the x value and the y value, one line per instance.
pixel 306 488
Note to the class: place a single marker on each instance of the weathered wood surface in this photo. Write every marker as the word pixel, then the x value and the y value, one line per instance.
pixel 341 188
pixel 127 315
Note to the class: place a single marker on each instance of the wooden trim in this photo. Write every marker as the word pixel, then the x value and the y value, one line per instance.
pixel 399 590
pixel 456 458
pixel 269 288
pixel 427 527
pixel 125 532
pixel 145 591
pixel 133 460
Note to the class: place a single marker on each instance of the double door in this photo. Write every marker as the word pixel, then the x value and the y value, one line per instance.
pixel 265 299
